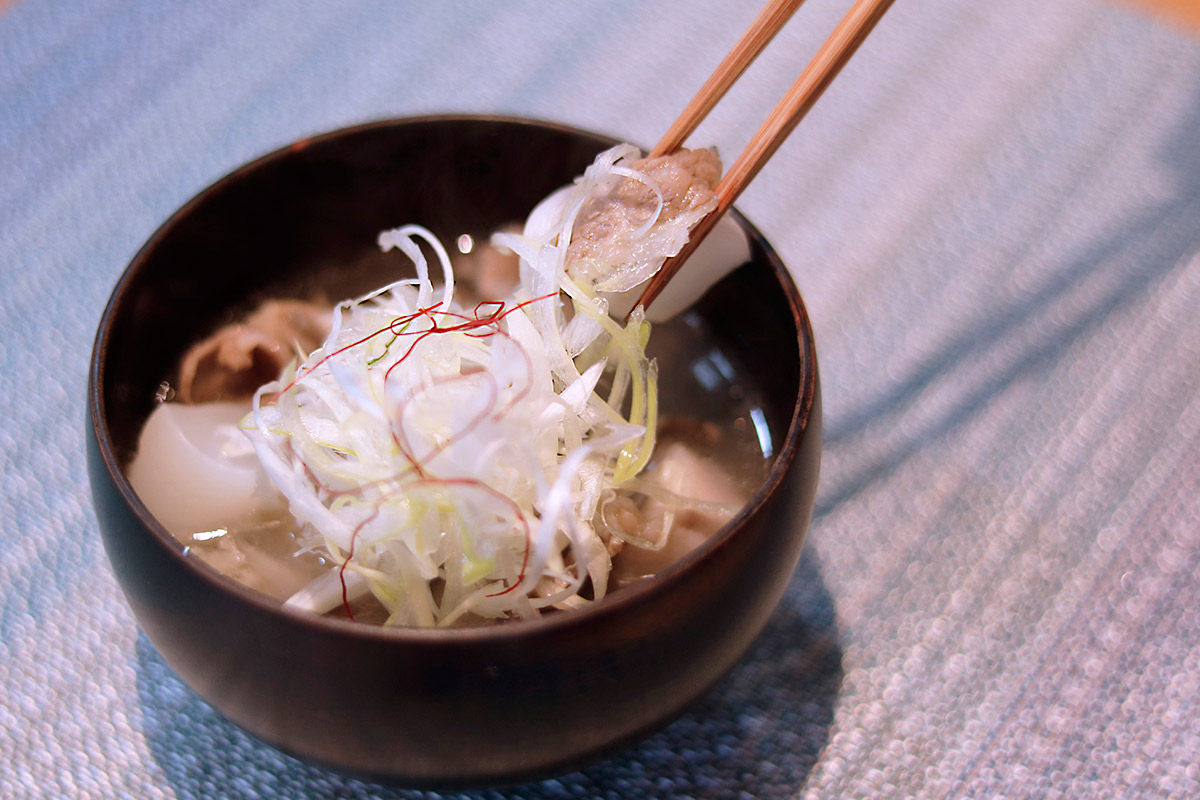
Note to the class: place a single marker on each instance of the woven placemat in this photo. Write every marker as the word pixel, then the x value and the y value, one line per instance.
pixel 993 217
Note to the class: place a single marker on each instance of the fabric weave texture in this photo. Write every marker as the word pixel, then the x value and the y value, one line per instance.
pixel 994 217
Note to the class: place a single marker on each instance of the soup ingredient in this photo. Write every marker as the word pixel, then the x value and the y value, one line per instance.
pixel 197 472
pixel 637 216
pixel 455 460
pixel 625 216
pixel 237 359
pixel 667 524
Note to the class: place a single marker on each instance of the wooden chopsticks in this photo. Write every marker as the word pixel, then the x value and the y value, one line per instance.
pixel 760 33
pixel 803 94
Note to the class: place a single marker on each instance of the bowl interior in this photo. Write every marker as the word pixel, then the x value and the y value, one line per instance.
pixel 304 221
pixel 282 226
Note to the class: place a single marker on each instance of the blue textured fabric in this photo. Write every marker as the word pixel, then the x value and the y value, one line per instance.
pixel 994 215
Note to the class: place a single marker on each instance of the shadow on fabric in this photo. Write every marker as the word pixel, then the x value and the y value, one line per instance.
pixel 1122 267
pixel 757 734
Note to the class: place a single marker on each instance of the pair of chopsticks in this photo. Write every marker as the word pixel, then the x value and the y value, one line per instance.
pixel 819 73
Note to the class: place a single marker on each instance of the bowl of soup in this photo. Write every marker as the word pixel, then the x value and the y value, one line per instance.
pixel 516 695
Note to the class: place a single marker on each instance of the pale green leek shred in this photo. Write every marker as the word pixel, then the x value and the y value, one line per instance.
pixel 475 567
pixel 631 340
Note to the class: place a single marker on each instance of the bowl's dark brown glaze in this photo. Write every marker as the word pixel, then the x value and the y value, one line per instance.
pixel 429 707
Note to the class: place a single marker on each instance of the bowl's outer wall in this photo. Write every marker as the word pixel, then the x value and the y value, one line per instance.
pixel 420 707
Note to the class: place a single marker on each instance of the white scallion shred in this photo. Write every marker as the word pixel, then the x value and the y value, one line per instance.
pixel 451 461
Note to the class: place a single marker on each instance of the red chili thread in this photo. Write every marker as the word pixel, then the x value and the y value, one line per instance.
pixel 402 320
pixel 516 509
pixel 468 324
pixel 349 555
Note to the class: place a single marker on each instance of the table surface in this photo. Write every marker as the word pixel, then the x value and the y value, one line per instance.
pixel 994 216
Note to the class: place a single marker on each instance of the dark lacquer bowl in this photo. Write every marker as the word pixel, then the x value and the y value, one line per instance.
pixel 461 707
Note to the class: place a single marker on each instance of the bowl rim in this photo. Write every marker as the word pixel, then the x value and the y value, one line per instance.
pixel 613 603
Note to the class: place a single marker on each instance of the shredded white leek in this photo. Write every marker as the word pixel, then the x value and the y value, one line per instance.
pixel 451 461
